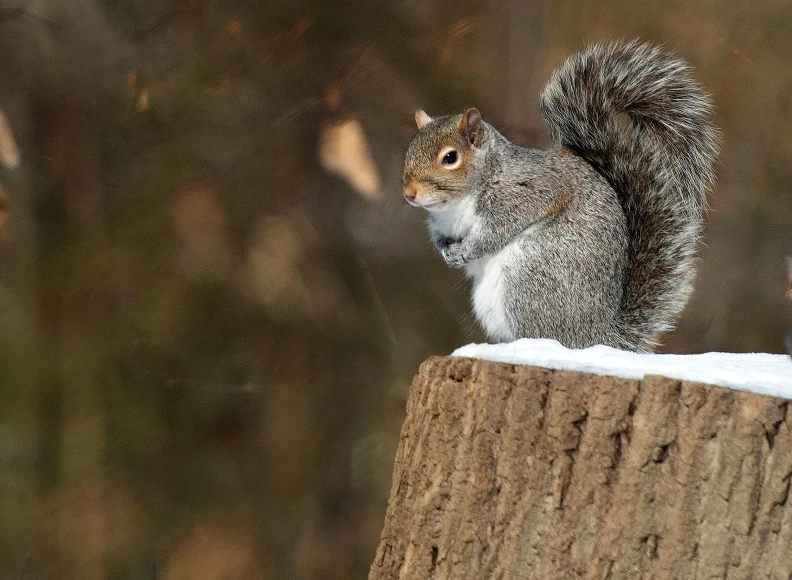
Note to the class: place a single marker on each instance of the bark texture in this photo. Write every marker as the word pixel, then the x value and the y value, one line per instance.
pixel 510 471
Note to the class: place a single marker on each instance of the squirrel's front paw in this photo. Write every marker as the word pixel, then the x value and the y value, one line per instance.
pixel 454 256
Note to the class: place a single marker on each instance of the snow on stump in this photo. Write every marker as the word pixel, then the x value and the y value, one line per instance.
pixel 513 472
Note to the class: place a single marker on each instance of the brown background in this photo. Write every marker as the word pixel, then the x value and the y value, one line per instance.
pixel 207 339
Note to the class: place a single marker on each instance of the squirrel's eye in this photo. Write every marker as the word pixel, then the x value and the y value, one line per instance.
pixel 450 158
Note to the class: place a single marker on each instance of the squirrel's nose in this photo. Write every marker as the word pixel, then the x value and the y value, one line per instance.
pixel 410 191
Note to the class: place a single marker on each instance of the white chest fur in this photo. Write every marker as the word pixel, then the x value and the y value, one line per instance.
pixel 489 302
pixel 456 219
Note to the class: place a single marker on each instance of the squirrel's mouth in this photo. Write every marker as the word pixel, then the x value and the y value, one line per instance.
pixel 422 194
pixel 429 205
pixel 433 204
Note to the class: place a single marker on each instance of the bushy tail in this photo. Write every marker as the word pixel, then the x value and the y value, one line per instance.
pixel 660 167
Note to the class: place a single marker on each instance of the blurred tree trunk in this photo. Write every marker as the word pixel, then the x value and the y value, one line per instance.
pixel 19 482
pixel 74 158
pixel 520 472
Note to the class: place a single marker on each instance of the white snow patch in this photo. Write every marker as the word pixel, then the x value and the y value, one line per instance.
pixel 768 374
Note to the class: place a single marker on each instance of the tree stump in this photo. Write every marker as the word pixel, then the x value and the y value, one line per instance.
pixel 515 472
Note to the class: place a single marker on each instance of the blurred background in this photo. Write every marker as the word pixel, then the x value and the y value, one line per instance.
pixel 212 296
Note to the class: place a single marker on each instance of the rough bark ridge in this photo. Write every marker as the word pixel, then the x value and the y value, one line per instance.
pixel 510 471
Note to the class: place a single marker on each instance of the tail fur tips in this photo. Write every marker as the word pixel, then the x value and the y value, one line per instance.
pixel 660 169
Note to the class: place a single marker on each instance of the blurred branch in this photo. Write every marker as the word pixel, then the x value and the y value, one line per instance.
pixel 18 12
pixel 161 23
pixel 382 311
pixel 354 73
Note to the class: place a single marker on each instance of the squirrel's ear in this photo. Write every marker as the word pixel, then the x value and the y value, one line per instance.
pixel 470 126
pixel 422 119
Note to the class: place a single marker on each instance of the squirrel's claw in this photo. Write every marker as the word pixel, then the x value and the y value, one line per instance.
pixel 453 255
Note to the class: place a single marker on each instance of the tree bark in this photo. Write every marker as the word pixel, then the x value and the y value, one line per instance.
pixel 510 471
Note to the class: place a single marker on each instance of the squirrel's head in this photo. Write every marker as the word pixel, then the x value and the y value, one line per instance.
pixel 441 157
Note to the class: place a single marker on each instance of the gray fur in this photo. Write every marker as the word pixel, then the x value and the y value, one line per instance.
pixel 591 242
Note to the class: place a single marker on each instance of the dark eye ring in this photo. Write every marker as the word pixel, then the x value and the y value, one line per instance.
pixel 450 158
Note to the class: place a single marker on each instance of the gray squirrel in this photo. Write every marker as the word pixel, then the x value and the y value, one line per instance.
pixel 592 241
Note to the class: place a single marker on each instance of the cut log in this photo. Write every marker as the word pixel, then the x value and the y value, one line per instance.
pixel 515 472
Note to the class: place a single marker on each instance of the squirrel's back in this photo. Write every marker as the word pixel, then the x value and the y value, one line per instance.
pixel 660 167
